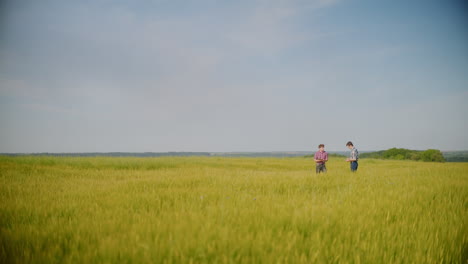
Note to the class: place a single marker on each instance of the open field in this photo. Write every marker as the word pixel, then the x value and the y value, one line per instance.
pixel 231 210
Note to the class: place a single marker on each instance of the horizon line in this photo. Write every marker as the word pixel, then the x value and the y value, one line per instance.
pixel 210 152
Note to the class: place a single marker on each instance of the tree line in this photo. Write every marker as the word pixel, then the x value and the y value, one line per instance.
pixel 433 155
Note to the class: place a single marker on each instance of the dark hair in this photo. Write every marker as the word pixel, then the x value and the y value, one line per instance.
pixel 349 143
pixel 321 145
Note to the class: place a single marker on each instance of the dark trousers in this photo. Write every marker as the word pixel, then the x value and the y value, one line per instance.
pixel 320 168
pixel 354 165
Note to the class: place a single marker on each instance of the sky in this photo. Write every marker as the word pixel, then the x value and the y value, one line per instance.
pixel 221 76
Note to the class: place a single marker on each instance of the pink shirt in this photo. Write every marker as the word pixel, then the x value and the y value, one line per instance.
pixel 321 155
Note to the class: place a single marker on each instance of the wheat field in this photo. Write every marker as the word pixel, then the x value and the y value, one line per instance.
pixel 231 210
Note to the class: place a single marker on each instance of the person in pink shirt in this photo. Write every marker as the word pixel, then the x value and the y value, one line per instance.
pixel 320 158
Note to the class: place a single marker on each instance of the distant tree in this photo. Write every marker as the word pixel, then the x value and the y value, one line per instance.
pixel 415 156
pixel 432 155
pixel 397 153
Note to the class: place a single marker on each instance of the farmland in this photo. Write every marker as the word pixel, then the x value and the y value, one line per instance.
pixel 231 210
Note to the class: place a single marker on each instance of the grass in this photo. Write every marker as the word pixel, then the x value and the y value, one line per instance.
pixel 231 210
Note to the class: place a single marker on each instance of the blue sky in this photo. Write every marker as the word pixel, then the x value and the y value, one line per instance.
pixel 85 76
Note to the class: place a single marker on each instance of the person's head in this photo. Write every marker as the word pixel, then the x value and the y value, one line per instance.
pixel 350 145
pixel 321 147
